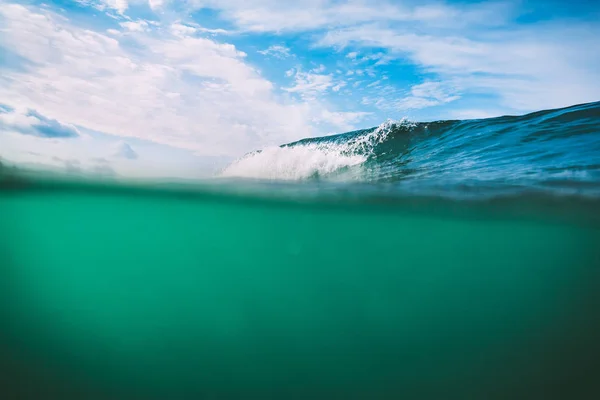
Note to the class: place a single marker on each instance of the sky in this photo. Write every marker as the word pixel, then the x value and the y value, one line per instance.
pixel 165 88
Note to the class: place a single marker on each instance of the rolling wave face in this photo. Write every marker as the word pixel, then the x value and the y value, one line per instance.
pixel 557 149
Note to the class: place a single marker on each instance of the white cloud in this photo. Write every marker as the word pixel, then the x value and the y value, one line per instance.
pixel 100 155
pixel 118 5
pixel 31 122
pixel 529 68
pixel 124 150
pixel 126 96
pixel 374 83
pixel 179 29
pixel 337 87
pixel 303 15
pixel 277 51
pixel 344 120
pixel 138 26
pixel 389 98
pixel 475 114
pixel 319 69
pixel 309 84
pixel 278 16
pixel 216 31
pixel 480 47
pixel 184 29
pixel 175 89
pixel 275 16
pixel 379 58
pixel 156 4
pixel 427 94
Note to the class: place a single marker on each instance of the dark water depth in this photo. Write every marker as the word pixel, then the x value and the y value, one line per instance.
pixel 112 291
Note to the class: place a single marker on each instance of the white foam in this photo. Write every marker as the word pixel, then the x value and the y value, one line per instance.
pixel 291 163
pixel 305 161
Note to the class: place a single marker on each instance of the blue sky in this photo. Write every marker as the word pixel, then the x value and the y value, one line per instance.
pixel 179 88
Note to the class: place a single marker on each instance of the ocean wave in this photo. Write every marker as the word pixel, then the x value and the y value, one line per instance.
pixel 552 148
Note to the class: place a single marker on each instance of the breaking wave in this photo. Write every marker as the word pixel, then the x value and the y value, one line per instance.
pixel 552 148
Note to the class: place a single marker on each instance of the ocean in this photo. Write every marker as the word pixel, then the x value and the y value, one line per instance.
pixel 441 260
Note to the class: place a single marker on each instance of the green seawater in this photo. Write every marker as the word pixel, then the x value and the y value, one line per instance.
pixel 110 291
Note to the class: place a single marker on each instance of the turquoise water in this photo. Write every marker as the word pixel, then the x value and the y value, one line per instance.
pixel 373 277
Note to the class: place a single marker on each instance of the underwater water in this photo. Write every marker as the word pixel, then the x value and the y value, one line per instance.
pixel 448 260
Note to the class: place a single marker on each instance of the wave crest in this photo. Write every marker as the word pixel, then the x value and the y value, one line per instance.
pixel 336 157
